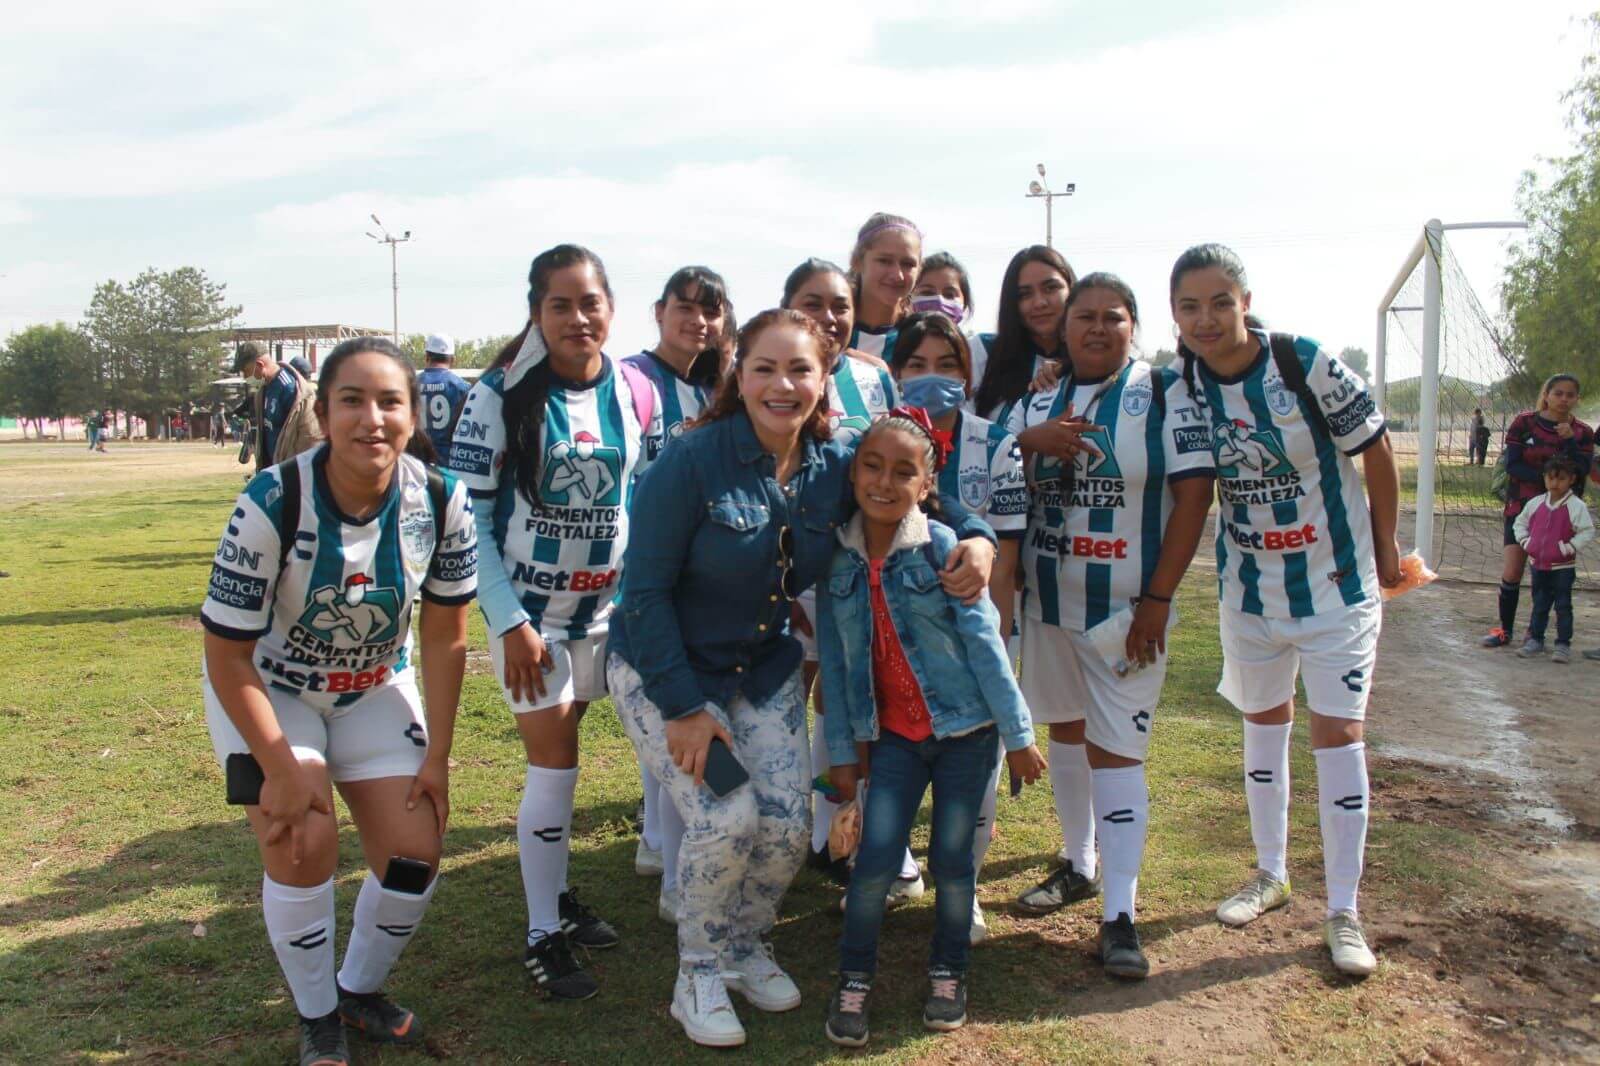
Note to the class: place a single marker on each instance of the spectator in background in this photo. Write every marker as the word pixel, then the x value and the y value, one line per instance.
pixel 1533 438
pixel 1478 446
pixel 442 392
pixel 302 366
pixel 275 400
pixel 91 429
pixel 1552 528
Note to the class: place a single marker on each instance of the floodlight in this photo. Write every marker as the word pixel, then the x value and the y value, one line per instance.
pixel 1035 189
pixel 1040 167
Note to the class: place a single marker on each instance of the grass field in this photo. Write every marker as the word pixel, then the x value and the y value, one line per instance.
pixel 130 928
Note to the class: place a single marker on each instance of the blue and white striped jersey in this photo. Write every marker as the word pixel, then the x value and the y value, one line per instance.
pixel 858 392
pixel 1294 537
pixel 985 473
pixel 878 342
pixel 565 558
pixel 681 400
pixel 334 620
pixel 1090 551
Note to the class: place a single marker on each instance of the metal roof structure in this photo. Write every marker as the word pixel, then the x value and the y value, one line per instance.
pixel 284 342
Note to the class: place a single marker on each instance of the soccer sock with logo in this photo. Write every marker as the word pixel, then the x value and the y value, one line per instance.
pixel 650 831
pixel 1342 797
pixel 1509 594
pixel 1073 786
pixel 383 925
pixel 1122 803
pixel 1266 792
pixel 544 820
pixel 822 808
pixel 300 926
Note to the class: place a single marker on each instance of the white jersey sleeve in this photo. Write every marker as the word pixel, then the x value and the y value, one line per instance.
pixel 478 449
pixel 244 572
pixel 1186 434
pixel 1346 403
pixel 453 571
pixel 1008 490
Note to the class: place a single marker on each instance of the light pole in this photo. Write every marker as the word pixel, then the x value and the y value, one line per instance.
pixel 1035 189
pixel 394 268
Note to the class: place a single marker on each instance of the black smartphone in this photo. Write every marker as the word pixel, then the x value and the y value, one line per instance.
pixel 1015 782
pixel 406 875
pixel 245 778
pixel 723 772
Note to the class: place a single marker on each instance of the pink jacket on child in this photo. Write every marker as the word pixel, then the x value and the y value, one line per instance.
pixel 1552 533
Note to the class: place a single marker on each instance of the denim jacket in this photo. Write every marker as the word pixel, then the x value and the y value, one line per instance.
pixel 703 614
pixel 955 650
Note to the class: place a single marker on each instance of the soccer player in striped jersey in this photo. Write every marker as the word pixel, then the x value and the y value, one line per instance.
pixel 695 318
pixel 1033 300
pixel 883 269
pixel 1301 554
pixel 931 364
pixel 549 441
pixel 1119 460
pixel 858 392
pixel 309 680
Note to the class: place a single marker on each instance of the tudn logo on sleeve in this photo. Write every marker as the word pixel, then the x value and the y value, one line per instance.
pixel 1242 451
pixel 358 614
pixel 584 473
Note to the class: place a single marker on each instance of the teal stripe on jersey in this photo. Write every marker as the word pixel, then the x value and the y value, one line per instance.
pixel 1222 557
pixel 1296 580
pixel 328 567
pixel 1250 578
pixel 613 433
pixel 1106 413
pixel 1049 605
pixel 671 404
pixel 950 476
pixel 1331 485
pixel 557 426
pixel 851 401
pixel 1097 593
pixel 534 604
pixel 891 395
pixel 1284 512
pixel 1241 512
pixel 546 550
pixel 1155 487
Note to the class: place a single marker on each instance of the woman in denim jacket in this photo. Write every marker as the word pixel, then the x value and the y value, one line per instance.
pixel 921 692
pixel 734 521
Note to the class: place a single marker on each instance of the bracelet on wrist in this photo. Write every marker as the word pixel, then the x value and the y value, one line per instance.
pixel 1153 596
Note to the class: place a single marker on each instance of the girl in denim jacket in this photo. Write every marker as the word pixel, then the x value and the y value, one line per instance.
pixel 921 692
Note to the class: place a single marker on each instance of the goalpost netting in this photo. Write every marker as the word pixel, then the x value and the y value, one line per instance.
pixel 1475 372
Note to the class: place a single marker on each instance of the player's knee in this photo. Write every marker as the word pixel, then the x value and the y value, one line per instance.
pixel 1101 759
pixel 1282 714
pixel 1330 732
pixel 1067 732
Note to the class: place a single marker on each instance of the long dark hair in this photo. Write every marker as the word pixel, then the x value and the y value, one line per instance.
pixel 704 286
pixel 524 403
pixel 946 261
pixel 1204 257
pixel 419 445
pixel 1010 366
pixel 728 402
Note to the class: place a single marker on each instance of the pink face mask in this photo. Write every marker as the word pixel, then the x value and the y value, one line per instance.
pixel 933 302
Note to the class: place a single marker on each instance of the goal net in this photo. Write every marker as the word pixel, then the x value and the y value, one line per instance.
pixel 1442 363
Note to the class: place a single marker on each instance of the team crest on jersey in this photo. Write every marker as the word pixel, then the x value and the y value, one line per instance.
pixel 1243 451
pixel 360 613
pixel 416 536
pixel 584 473
pixel 1136 398
pixel 1279 398
pixel 874 395
pixel 973 486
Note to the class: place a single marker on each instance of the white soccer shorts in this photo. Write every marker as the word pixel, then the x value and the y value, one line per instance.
pixel 578 676
pixel 808 644
pixel 1333 654
pixel 382 734
pixel 1065 680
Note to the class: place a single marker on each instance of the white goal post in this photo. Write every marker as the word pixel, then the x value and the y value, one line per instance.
pixel 1429 250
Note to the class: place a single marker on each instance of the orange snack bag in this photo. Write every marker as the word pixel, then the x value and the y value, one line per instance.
pixel 1414 574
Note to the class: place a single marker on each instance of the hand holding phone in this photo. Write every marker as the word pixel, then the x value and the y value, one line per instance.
pixel 723 772
pixel 689 741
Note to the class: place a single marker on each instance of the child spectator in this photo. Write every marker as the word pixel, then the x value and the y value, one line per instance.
pixel 1552 528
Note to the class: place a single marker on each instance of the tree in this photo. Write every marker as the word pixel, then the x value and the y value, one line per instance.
pixel 469 354
pixel 1355 359
pixel 44 373
pixel 1553 275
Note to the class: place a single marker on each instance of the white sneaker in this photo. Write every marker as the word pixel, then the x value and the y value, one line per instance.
pixel 646 860
pixel 701 1005
pixel 759 979
pixel 980 928
pixel 1348 945
pixel 1262 893
pixel 901 890
pixel 667 904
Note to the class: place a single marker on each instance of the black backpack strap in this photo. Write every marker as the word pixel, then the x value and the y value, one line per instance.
pixel 439 500
pixel 288 509
pixel 1294 376
pixel 1159 383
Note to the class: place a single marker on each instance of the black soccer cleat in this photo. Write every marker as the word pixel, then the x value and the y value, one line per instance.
pixel 378 1018
pixel 555 971
pixel 322 1041
pixel 583 926
pixel 1120 953
pixel 1064 885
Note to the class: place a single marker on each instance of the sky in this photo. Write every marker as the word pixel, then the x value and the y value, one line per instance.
pixel 254 139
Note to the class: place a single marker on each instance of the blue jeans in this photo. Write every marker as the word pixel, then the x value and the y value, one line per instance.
pixel 959 769
pixel 1552 588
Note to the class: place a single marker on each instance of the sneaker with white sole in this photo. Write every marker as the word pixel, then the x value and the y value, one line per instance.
pixel 646 860
pixel 847 1011
pixel 901 890
pixel 751 971
pixel 667 904
pixel 980 926
pixel 1348 945
pixel 1065 885
pixel 1562 654
pixel 945 1009
pixel 1262 893
pixel 1531 649
pixel 701 1005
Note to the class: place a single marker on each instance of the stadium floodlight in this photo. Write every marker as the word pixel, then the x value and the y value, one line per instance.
pixel 1040 168
pixel 1035 189
pixel 394 266
pixel 1041 190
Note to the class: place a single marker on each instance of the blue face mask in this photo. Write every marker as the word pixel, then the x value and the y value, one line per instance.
pixel 934 393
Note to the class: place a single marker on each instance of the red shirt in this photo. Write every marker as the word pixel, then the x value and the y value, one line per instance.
pixel 901 708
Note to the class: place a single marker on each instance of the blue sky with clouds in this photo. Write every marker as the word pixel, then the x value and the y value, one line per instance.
pixel 253 139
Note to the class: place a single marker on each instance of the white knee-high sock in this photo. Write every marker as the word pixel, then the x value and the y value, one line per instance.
pixel 1074 796
pixel 1266 793
pixel 544 823
pixel 1122 803
pixel 300 926
pixel 671 838
pixel 383 925
pixel 651 830
pixel 984 833
pixel 822 808
pixel 1343 798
